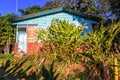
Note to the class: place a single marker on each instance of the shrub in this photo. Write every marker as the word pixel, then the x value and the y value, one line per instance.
pixel 61 40
pixel 6 56
pixel 98 54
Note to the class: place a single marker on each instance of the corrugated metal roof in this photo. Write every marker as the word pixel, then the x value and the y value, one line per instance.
pixel 53 11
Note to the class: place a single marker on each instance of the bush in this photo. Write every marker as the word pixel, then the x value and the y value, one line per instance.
pixel 98 51
pixel 61 40
pixel 6 56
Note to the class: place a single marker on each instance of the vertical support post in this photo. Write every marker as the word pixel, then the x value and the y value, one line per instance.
pixel 17 33
pixel 16 41
pixel 115 69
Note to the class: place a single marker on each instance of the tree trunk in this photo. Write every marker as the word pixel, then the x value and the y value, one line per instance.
pixel 104 71
pixel 7 46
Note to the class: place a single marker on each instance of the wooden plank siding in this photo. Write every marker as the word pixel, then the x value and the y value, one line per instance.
pixel 43 20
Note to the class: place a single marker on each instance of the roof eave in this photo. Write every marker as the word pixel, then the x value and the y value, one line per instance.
pixel 38 14
pixel 55 10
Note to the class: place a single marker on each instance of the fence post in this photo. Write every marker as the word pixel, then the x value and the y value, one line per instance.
pixel 115 69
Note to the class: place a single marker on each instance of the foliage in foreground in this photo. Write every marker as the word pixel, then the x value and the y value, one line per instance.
pixel 6 56
pixel 26 71
pixel 6 33
pixel 96 55
pixel 99 51
pixel 61 40
pixel 13 72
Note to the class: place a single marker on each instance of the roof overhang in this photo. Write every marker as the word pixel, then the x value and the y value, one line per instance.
pixel 53 11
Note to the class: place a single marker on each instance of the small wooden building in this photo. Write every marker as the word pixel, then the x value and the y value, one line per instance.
pixel 26 38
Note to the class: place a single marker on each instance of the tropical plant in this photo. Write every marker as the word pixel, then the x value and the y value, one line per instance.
pixel 6 56
pixel 7 32
pixel 49 74
pixel 61 40
pixel 97 52
pixel 20 69
pixel 14 72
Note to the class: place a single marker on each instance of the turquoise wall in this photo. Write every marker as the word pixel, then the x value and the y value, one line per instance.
pixel 45 21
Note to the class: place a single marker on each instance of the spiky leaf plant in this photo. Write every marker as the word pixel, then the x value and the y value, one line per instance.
pixel 61 40
pixel 49 74
pixel 97 51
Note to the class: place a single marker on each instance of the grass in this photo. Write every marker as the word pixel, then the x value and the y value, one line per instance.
pixel 5 57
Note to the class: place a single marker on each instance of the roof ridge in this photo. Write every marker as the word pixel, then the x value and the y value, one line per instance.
pixel 40 12
pixel 52 11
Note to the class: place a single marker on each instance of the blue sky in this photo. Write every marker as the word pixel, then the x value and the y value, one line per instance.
pixel 9 6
